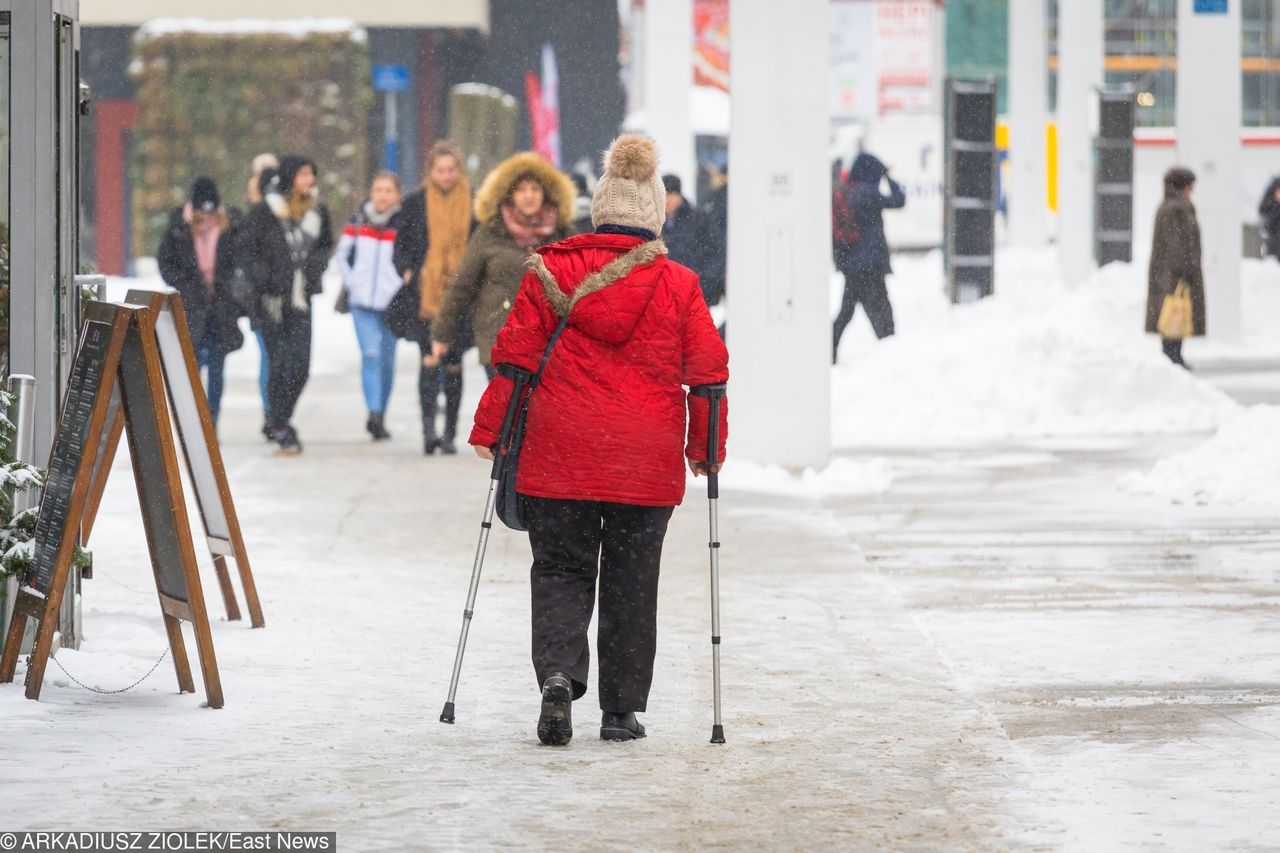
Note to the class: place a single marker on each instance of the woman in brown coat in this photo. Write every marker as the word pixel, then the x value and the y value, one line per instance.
pixel 523 204
pixel 1175 257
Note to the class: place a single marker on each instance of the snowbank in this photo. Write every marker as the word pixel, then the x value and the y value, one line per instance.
pixel 1239 465
pixel 1038 359
pixel 298 28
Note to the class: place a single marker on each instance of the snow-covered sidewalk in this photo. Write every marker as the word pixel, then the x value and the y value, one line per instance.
pixel 1000 649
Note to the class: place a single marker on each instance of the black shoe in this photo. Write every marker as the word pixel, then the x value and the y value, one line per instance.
pixel 376 427
pixel 287 438
pixel 447 447
pixel 620 726
pixel 268 433
pixel 555 724
pixel 430 441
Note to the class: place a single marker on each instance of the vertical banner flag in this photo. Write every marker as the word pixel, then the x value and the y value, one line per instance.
pixel 544 107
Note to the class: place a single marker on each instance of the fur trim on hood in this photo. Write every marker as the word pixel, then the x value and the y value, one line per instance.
pixel 556 185
pixel 610 273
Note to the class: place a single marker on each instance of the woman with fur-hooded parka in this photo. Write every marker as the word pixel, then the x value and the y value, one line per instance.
pixel 493 265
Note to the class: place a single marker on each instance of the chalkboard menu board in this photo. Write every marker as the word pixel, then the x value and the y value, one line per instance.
pixel 117 353
pixel 83 390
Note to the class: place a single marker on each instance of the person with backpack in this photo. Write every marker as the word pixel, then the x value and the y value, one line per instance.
pixel 860 250
pixel 369 280
pixel 609 431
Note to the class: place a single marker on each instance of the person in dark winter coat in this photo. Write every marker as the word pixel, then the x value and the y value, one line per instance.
pixel 430 244
pixel 1175 257
pixel 864 260
pixel 581 204
pixel 602 465
pixel 715 237
pixel 1269 210
pixel 369 280
pixel 683 231
pixel 524 203
pixel 197 258
pixel 265 166
pixel 288 243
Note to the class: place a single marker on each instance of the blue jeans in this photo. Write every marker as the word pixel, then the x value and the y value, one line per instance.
pixel 209 357
pixel 264 372
pixel 377 357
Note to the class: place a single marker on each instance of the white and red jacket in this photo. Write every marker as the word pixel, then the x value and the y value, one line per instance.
pixel 365 256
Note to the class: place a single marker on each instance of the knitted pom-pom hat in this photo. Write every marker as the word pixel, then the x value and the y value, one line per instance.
pixel 630 192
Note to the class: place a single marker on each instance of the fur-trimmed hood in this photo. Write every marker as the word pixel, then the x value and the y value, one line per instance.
pixel 621 272
pixel 557 186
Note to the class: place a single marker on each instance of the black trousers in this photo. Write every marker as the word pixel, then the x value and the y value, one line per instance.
pixel 289 363
pixel 447 376
pixel 573 543
pixel 869 289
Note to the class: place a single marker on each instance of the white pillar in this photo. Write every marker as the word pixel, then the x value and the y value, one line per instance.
pixel 668 85
pixel 1080 46
pixel 779 318
pixel 1028 111
pixel 1208 132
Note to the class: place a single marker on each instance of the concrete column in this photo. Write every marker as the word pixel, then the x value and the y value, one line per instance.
pixel 1080 47
pixel 779 319
pixel 1208 133
pixel 668 85
pixel 1028 110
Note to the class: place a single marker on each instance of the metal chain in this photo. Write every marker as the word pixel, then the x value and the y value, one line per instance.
pixel 112 692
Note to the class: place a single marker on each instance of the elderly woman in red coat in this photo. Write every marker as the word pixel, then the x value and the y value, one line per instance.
pixel 610 430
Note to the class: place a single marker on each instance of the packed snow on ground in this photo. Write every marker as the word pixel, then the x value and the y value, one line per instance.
pixel 1239 465
pixel 1038 359
pixel 842 477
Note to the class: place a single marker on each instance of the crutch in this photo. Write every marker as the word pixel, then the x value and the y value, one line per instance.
pixel 714 394
pixel 521 379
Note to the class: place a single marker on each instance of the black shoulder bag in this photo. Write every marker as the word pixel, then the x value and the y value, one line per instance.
pixel 510 506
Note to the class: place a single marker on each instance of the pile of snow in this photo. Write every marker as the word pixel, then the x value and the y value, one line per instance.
pixel 1038 359
pixel 842 477
pixel 298 28
pixel 1239 465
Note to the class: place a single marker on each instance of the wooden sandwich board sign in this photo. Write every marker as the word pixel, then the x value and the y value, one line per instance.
pixel 117 348
pixel 200 449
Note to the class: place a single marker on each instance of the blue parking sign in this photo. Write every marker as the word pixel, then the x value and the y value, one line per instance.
pixel 390 78
pixel 1209 7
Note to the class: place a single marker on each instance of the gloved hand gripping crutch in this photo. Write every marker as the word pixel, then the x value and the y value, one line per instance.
pixel 714 394
pixel 521 379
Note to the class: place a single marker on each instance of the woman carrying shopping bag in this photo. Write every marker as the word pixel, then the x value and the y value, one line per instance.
pixel 1175 273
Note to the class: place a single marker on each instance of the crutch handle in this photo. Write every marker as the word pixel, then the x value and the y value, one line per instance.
pixel 713 393
pixel 521 378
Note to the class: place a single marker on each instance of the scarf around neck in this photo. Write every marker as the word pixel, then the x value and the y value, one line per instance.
pixel 448 227
pixel 205 236
pixel 530 231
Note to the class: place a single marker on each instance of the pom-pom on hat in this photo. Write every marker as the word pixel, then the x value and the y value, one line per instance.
pixel 630 191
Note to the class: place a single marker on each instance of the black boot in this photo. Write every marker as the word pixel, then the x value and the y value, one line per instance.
pixel 555 724
pixel 452 405
pixel 620 726
pixel 377 429
pixel 430 441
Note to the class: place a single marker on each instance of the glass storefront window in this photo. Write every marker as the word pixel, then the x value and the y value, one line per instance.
pixel 4 194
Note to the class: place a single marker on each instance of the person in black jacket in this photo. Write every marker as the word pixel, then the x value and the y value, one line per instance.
pixel 864 260
pixel 435 224
pixel 683 231
pixel 288 240
pixel 1269 209
pixel 715 237
pixel 197 258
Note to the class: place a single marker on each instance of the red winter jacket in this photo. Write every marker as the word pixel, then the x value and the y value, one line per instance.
pixel 608 421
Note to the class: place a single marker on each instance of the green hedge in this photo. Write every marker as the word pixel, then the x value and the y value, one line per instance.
pixel 208 104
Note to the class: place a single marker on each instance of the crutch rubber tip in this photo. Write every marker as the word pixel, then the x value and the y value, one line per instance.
pixel 446 716
pixel 717 734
